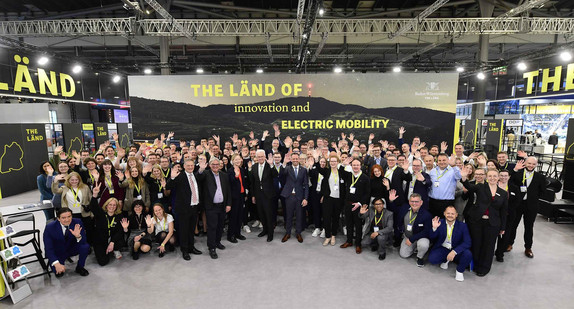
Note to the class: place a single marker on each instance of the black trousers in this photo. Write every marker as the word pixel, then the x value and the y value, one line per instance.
pixel 265 211
pixel 293 208
pixel 236 216
pixel 331 212
pixel 529 214
pixel 483 237
pixel 354 226
pixel 100 251
pixel 437 207
pixel 187 221
pixel 504 240
pixel 250 213
pixel 215 219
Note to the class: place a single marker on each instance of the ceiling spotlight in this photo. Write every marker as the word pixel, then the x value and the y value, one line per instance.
pixel 321 12
pixel 396 69
pixel 116 79
pixel 565 56
pixel 480 76
pixel 304 35
pixel 259 71
pixel 337 70
pixel 521 66
pixel 77 69
pixel 147 12
pixel 199 71
pixel 148 71
pixel 459 69
pixel 43 60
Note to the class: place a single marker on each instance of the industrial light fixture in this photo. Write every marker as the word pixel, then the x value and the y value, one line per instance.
pixel 77 69
pixel 521 66
pixel 259 70
pixel 565 56
pixel 460 69
pixel 116 79
pixel 397 69
pixel 148 71
pixel 321 11
pixel 480 76
pixel 337 70
pixel 43 60
pixel 199 71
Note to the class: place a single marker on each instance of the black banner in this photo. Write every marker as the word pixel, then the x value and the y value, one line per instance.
pixel 493 137
pixel 101 133
pixel 469 133
pixel 73 137
pixel 125 137
pixel 568 172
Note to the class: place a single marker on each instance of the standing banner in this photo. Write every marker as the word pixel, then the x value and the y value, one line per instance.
pixel 493 137
pixel 101 133
pixel 469 133
pixel 88 135
pixel 73 137
pixel 318 105
pixel 124 135
pixel 568 172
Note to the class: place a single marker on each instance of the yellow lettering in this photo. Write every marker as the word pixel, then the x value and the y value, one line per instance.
pixel 569 77
pixel 23 79
pixel 65 81
pixel 44 81
pixel 195 92
pixel 286 89
pixel 257 90
pixel 529 80
pixel 232 92
pixel 244 89
pixel 555 80
pixel 269 90
pixel 297 88
pixel 329 124
pixel 207 90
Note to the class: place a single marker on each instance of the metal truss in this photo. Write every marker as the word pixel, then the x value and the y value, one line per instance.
pixel 284 27
pixel 424 14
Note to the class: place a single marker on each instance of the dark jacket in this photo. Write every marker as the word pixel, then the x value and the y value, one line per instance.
pixel 299 184
pixel 497 207
pixel 209 188
pixel 421 226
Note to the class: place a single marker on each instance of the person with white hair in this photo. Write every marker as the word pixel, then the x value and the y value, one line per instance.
pixel 261 182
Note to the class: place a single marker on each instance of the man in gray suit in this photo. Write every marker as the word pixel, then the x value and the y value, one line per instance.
pixel 378 227
pixel 296 193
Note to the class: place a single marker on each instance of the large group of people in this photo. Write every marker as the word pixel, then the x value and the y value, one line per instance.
pixel 150 198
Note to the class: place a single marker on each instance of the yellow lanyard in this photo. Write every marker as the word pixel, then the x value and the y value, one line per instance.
pixel 390 172
pixel 165 174
pixel 91 176
pixel 159 185
pixel 75 195
pixel 137 187
pixel 449 232
pixel 109 182
pixel 524 178
pixel 439 176
pixel 411 216
pixel 110 224
pixel 355 179
pixel 335 176
pixel 380 218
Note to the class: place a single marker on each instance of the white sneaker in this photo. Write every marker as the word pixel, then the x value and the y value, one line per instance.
pixel 246 229
pixel 459 276
pixel 326 242
pixel 260 225
pixel 322 234
pixel 316 232
pixel 444 265
pixel 118 255
pixel 255 223
pixel 345 230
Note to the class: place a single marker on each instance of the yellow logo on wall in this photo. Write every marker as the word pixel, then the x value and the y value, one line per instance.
pixel 13 154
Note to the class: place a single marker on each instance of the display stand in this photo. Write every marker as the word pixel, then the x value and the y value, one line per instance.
pixel 10 256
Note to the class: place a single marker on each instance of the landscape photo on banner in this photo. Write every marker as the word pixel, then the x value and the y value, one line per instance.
pixel 319 105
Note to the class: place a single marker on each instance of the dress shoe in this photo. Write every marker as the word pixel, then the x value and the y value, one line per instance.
pixel 528 253
pixel 269 238
pixel 213 254
pixel 285 238
pixel 374 248
pixel 82 271
pixel 195 251
pixel 161 254
pixel 509 248
pixel 60 275
pixel 262 234
pixel 240 237
pixel 327 241
pixel 420 262
pixel 232 239
pixel 220 246
pixel 382 256
pixel 135 256
pixel 358 249
pixel 500 259
pixel 346 245
pixel 186 256
pixel 480 274
pixel 397 243
pixel 299 238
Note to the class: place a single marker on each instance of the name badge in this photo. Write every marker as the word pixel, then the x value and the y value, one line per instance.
pixel 447 245
pixel 523 189
pixel 160 195
pixel 352 190
pixel 436 184
pixel 111 191
pixel 342 181
pixel 76 205
pixel 318 189
pixel 376 228
pixel 409 227
pixel 139 197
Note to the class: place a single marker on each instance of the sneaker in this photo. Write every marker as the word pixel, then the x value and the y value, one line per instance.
pixel 345 230
pixel 246 229
pixel 255 223
pixel 117 254
pixel 260 225
pixel 326 242
pixel 459 277
pixel 420 262
pixel 322 234
pixel 316 232
pixel 444 265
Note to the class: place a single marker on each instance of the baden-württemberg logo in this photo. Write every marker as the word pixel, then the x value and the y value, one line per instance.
pixel 432 86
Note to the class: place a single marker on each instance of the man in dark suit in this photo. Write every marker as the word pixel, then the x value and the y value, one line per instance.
pixel 395 175
pixel 420 183
pixel 217 201
pixel 62 242
pixel 278 183
pixel 451 242
pixel 502 158
pixel 357 194
pixel 532 185
pixel 296 193
pixel 376 158
pixel 261 182
pixel 415 224
pixel 187 202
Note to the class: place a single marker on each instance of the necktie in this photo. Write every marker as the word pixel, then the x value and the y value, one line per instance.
pixel 296 172
pixel 193 192
pixel 261 171
pixel 66 231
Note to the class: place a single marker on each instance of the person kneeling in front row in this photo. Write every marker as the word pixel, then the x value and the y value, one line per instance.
pixel 65 238
pixel 415 224
pixel 378 226
pixel 451 242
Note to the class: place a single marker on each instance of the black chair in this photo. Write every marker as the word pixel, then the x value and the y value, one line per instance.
pixel 37 256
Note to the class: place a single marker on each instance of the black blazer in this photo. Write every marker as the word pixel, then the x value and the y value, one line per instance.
pixel 182 186
pixel 362 188
pixel 325 189
pixel 396 183
pixel 422 188
pixel 497 208
pixel 535 190
pixel 300 184
pixel 369 162
pixel 209 187
pixel 262 187
pixel 236 185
